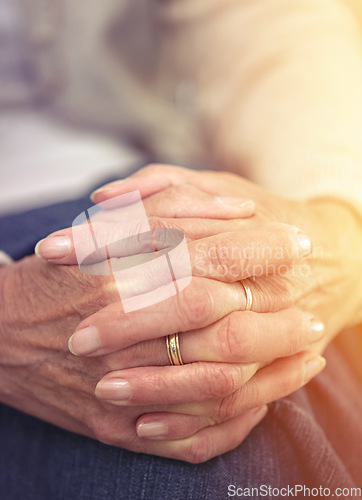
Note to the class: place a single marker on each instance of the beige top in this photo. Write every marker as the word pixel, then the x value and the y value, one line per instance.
pixel 271 89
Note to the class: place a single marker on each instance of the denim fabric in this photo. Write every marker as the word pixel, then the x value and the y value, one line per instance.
pixel 313 438
pixel 20 232
pixel 40 461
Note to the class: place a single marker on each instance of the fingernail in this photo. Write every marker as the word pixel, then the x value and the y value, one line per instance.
pixel 85 341
pixel 53 247
pixel 235 201
pixel 305 244
pixel 116 389
pixel 312 367
pixel 152 430
pixel 106 187
pixel 316 330
pixel 36 249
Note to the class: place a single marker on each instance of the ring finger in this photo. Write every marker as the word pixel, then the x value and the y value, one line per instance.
pixel 221 390
pixel 240 337
pixel 200 304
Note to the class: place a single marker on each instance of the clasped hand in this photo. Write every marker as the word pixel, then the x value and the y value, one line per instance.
pixel 236 361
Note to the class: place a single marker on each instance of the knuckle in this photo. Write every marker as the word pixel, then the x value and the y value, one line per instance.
pixel 236 338
pixel 285 295
pixel 186 191
pixel 180 189
pixel 274 293
pixel 101 296
pixel 113 362
pixel 284 234
pixel 220 380
pixel 92 294
pixel 199 378
pixel 162 169
pixel 195 305
pixel 229 261
pixel 244 398
pixel 153 168
pixel 181 197
pixel 229 406
pixel 200 450
pixel 251 394
pixel 244 263
pixel 137 355
pixel 226 338
pixel 220 259
pixel 120 322
pixel 109 323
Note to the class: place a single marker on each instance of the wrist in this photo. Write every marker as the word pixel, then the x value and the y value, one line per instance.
pixel 338 236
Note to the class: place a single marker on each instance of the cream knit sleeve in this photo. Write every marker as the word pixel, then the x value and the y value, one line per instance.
pixel 280 93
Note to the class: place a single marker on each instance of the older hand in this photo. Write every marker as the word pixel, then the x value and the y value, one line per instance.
pixel 332 272
pixel 41 304
pixel 261 338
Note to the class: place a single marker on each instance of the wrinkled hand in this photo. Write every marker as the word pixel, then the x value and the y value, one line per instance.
pixel 247 338
pixel 328 284
pixel 41 304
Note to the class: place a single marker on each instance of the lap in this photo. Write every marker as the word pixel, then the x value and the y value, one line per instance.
pixel 290 447
pixel 313 437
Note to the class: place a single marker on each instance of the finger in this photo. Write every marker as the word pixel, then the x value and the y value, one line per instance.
pixel 209 442
pixel 269 249
pixel 105 233
pixel 200 304
pixel 153 179
pixel 88 244
pixel 167 426
pixel 239 337
pixel 190 202
pixel 157 177
pixel 276 380
pixel 59 248
pixel 222 390
pixel 178 201
pixel 194 382
pixel 249 337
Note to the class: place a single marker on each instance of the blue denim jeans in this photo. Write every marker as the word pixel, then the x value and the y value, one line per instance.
pixel 312 438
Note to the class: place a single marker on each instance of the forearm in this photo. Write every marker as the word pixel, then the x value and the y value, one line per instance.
pixel 286 101
pixel 337 239
pixel 37 376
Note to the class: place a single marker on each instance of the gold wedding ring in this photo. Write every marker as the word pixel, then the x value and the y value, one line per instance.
pixel 173 349
pixel 249 296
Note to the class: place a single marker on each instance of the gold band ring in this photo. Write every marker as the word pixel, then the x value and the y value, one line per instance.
pixel 173 349
pixel 249 296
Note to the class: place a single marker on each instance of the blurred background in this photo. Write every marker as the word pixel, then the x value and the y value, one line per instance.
pixel 85 87
pixel 44 159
